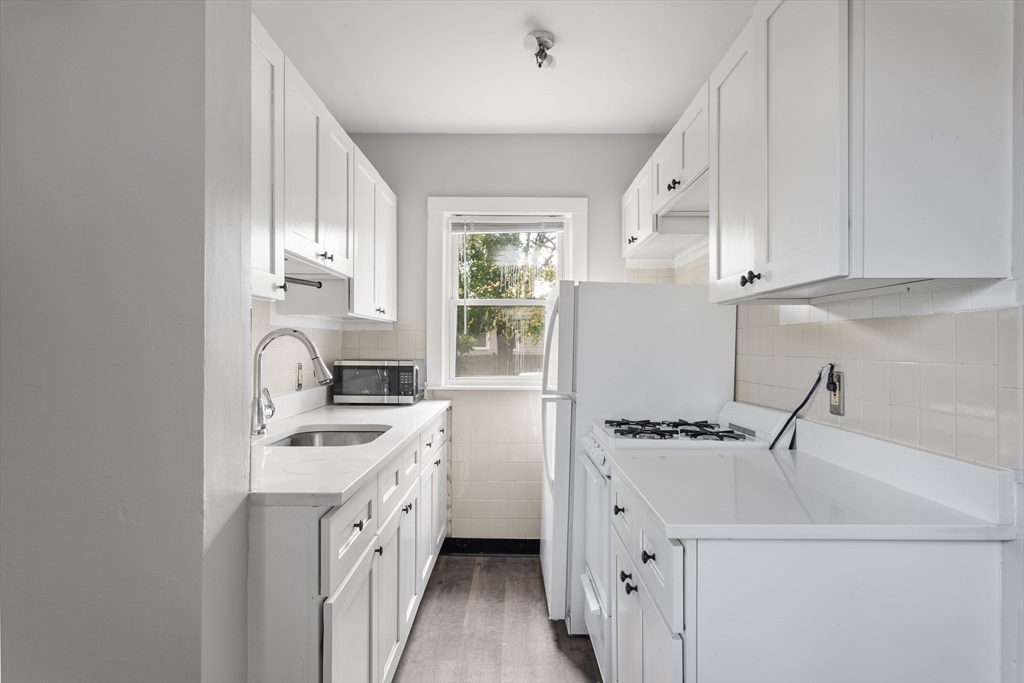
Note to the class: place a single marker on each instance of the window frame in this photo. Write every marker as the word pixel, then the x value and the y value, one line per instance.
pixel 442 306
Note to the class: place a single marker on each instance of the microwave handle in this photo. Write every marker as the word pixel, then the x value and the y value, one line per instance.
pixel 415 380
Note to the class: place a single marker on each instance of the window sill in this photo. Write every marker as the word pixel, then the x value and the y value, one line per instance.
pixel 482 387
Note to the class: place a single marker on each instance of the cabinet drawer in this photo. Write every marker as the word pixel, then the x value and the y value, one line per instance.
pixel 432 437
pixel 623 513
pixel 391 486
pixel 659 561
pixel 410 458
pixel 344 533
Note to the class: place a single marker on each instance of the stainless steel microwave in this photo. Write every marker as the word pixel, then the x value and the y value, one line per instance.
pixel 379 381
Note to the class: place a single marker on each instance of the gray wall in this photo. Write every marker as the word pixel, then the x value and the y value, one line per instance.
pixel 103 264
pixel 598 167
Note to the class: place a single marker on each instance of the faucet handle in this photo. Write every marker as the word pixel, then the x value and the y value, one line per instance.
pixel 269 407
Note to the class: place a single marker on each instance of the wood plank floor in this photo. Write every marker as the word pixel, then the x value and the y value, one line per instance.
pixel 485 619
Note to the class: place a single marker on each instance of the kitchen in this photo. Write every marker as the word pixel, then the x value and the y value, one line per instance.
pixel 142 529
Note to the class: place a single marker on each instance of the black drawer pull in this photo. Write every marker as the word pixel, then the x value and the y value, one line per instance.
pixel 359 525
pixel 646 556
pixel 623 576
pixel 616 509
pixel 631 589
pixel 380 551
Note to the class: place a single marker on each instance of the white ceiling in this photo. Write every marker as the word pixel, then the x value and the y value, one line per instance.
pixel 425 66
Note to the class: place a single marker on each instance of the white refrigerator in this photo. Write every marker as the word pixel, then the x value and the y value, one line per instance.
pixel 618 350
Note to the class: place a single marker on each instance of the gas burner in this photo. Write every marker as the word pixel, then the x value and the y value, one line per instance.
pixel 647 432
pixel 629 423
pixel 703 430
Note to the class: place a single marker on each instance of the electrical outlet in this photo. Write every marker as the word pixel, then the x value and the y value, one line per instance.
pixel 837 398
pixel 298 377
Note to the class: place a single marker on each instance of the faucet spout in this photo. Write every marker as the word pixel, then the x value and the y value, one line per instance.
pixel 262 405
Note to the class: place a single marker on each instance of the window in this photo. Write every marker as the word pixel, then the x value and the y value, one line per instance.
pixel 488 300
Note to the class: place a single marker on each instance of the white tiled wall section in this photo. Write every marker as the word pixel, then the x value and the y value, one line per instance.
pixel 696 272
pixel 404 340
pixel 949 383
pixel 495 463
pixel 651 275
pixel 281 356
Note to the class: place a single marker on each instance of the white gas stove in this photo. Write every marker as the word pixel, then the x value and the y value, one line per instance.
pixel 739 426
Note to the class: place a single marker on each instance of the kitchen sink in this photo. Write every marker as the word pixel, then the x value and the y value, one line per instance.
pixel 348 435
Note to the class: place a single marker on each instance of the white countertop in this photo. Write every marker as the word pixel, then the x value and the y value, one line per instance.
pixel 331 475
pixel 723 494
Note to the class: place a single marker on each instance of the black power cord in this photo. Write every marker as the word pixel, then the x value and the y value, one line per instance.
pixel 830 385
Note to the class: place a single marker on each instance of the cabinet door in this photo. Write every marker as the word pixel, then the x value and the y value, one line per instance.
pixel 660 650
pixel 303 126
pixel 807 227
pixel 389 608
pixel 683 154
pixel 363 300
pixel 350 622
pixel 737 168
pixel 337 161
pixel 385 252
pixel 267 217
pixel 439 526
pixel 638 211
pixel 425 552
pixel 625 622
pixel 408 593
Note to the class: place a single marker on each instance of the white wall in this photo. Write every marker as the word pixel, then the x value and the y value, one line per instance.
pixel 104 256
pixel 226 359
pixel 598 167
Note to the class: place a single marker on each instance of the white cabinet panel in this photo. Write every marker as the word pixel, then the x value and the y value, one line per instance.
pixel 425 551
pixel 386 251
pixel 439 525
pixel 683 154
pixel 626 663
pixel 267 187
pixel 389 611
pixel 807 228
pixel 302 145
pixel 408 591
pixel 337 161
pixel 349 652
pixel 373 287
pixel 638 211
pixel 736 214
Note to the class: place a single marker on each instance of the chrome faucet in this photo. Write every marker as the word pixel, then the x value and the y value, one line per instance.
pixel 262 405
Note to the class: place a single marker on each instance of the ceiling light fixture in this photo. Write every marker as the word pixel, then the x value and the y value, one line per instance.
pixel 538 43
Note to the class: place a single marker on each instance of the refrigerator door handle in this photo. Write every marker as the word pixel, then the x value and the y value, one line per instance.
pixel 548 334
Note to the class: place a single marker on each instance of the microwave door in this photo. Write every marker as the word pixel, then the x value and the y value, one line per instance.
pixel 363 384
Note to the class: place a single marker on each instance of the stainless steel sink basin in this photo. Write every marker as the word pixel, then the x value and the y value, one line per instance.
pixel 352 435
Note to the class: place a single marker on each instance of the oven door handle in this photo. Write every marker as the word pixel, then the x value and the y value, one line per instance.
pixel 598 478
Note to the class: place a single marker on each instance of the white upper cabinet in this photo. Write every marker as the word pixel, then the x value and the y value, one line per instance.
pixel 267 218
pixel 373 286
pixel 683 155
pixel 318 162
pixel 861 145
pixel 736 174
pixel 664 211
pixel 638 211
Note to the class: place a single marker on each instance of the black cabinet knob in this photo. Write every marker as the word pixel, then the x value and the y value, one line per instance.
pixel 631 589
pixel 616 509
pixel 380 551
pixel 407 508
pixel 673 185
pixel 749 278
pixel 359 525
pixel 623 576
pixel 438 461
pixel 645 556
pixel 326 256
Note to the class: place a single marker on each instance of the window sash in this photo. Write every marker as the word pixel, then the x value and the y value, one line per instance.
pixel 455 225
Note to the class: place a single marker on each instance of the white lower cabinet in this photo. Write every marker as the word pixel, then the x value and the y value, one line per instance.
pixel 350 617
pixel 334 591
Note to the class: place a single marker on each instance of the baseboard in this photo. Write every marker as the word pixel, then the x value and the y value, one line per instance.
pixel 490 546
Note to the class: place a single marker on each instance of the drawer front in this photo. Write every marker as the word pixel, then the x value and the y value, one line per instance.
pixel 344 533
pixel 391 486
pixel 660 649
pixel 410 458
pixel 432 437
pixel 659 561
pixel 624 512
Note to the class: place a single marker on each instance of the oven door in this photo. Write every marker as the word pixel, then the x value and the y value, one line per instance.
pixel 364 382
